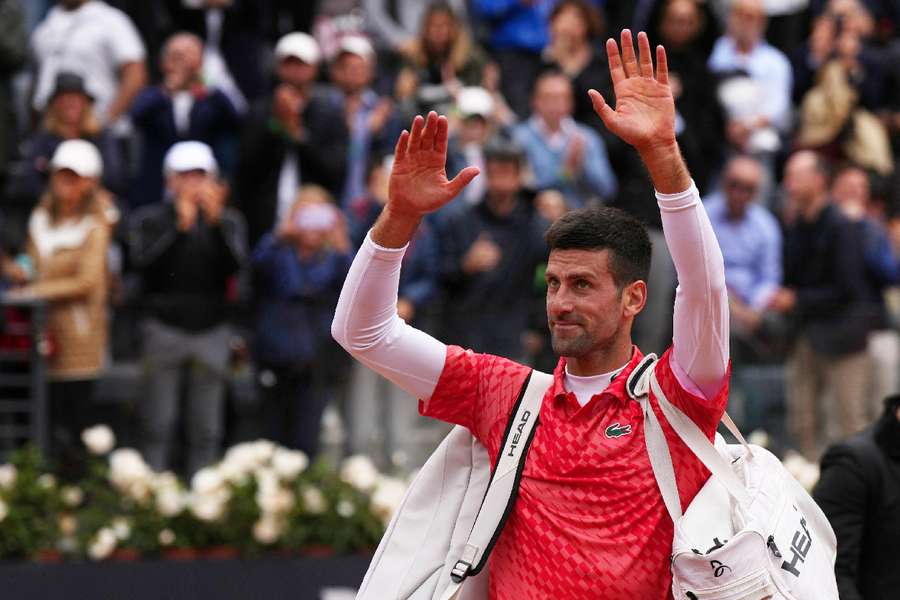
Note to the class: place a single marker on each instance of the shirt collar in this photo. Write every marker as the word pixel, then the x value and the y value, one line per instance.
pixel 615 390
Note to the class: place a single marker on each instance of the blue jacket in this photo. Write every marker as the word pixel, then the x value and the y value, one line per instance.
pixel 295 301
pixel 213 120
pixel 516 25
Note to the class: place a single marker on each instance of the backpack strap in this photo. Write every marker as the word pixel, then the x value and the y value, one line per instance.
pixel 504 485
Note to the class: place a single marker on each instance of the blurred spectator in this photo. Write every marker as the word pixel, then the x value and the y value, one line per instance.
pixel 68 238
pixel 181 108
pixel 700 122
pixel 233 32
pixel 518 34
pixel 851 192
pixel 832 122
pixel 858 492
pixel 694 22
pixel 70 115
pixel 368 115
pixel 298 272
pixel 756 81
pixel 574 27
pixel 476 109
pixel 563 154
pixel 188 250
pixel 296 137
pixel 13 49
pixel 396 22
pixel 96 41
pixel 441 60
pixel 825 294
pixel 489 253
pixel 750 238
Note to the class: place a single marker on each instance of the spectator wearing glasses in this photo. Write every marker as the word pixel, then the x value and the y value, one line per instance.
pixel 750 238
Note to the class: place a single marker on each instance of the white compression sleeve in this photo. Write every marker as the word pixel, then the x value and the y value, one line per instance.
pixel 700 328
pixel 366 323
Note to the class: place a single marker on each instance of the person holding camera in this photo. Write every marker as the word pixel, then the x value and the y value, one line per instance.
pixel 189 251
pixel 298 270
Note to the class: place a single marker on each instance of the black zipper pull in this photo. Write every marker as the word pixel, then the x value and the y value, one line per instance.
pixel 771 544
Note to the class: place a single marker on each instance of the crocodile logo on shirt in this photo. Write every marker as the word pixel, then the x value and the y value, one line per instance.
pixel 615 430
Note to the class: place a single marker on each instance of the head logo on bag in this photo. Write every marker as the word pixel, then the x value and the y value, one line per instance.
pixel 615 430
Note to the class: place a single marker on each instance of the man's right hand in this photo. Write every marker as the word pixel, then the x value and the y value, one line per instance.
pixel 418 183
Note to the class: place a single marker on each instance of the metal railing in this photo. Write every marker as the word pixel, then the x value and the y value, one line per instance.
pixel 23 375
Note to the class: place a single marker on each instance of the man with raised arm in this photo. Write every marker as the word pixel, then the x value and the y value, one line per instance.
pixel 589 521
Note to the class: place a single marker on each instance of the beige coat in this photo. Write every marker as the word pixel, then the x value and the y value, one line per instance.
pixel 71 274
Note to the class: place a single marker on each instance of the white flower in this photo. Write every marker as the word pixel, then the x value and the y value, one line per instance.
pixel 360 472
pixel 138 490
pixel 72 496
pixel 210 507
pixel 289 463
pixel 170 501
pixel 103 544
pixel 278 501
pixel 166 537
pixel 387 497
pixel 98 439
pixel 805 472
pixel 313 500
pixel 122 528
pixel 207 481
pixel 268 529
pixel 160 481
pixel 267 480
pixel 68 524
pixel 759 438
pixel 262 451
pixel 46 481
pixel 4 510
pixel 126 467
pixel 8 475
pixel 345 509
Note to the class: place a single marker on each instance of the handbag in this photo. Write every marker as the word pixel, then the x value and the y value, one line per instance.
pixel 752 532
pixel 437 544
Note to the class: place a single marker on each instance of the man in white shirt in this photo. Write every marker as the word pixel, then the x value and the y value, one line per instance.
pixel 98 42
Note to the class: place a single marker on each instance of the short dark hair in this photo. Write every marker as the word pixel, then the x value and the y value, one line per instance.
pixel 590 14
pixel 606 228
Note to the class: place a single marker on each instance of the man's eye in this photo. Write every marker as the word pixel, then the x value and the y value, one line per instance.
pixel 582 284
pixel 554 283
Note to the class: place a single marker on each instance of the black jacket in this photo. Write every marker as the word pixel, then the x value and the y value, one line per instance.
pixel 322 156
pixel 824 264
pixel 860 493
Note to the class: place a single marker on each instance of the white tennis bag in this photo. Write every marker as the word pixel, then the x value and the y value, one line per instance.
pixel 437 544
pixel 752 532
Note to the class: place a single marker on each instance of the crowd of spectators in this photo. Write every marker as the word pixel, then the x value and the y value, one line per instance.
pixel 208 168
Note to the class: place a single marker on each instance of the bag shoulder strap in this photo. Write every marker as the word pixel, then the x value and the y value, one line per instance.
pixel 702 448
pixel 504 485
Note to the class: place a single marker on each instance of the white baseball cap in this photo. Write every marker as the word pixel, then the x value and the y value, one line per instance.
pixel 190 156
pixel 79 156
pixel 299 45
pixel 358 45
pixel 475 101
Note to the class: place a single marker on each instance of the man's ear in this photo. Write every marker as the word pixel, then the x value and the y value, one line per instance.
pixel 634 297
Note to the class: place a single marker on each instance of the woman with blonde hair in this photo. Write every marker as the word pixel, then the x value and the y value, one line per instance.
pixel 441 60
pixel 70 115
pixel 68 238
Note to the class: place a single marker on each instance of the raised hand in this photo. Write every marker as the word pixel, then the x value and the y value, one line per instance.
pixel 644 115
pixel 418 183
